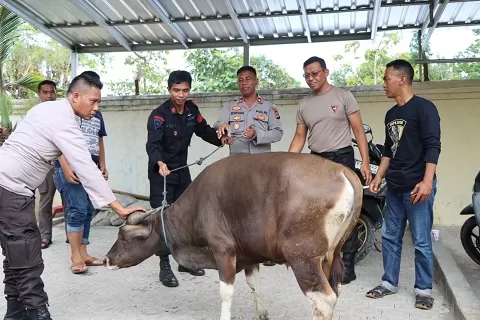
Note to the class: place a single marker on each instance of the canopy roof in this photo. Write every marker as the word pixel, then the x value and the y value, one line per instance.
pixel 140 25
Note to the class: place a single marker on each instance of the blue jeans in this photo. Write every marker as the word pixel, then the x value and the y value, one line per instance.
pixel 420 220
pixel 80 208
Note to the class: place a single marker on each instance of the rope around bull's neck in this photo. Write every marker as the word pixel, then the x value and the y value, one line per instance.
pixel 164 202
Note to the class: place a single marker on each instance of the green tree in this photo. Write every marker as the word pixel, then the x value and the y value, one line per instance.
pixel 150 68
pixel 214 70
pixel 470 70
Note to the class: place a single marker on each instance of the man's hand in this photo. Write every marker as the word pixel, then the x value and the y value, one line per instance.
pixel 421 192
pixel 104 173
pixel 163 170
pixel 226 140
pixel 123 213
pixel 366 173
pixel 250 133
pixel 375 184
pixel 70 175
pixel 222 130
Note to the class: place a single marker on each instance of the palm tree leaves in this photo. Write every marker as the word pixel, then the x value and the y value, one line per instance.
pixel 9 24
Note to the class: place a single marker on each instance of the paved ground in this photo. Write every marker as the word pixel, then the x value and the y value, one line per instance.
pixel 450 237
pixel 136 293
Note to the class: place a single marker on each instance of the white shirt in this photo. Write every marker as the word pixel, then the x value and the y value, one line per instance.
pixel 48 130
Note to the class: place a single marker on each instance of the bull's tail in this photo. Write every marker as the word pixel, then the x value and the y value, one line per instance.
pixel 337 271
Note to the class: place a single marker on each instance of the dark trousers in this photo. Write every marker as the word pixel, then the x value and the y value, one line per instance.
pixel 174 191
pixel 345 156
pixel 47 192
pixel 21 246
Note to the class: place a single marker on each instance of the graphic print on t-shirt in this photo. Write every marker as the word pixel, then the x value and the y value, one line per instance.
pixel 90 129
pixel 395 131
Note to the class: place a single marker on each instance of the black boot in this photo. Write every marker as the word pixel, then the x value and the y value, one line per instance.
pixel 167 277
pixel 39 314
pixel 193 272
pixel 349 262
pixel 15 309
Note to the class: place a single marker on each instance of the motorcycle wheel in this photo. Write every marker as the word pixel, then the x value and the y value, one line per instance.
pixel 470 239
pixel 366 237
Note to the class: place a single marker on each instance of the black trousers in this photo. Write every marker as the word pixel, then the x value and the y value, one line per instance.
pixel 174 190
pixel 345 156
pixel 21 245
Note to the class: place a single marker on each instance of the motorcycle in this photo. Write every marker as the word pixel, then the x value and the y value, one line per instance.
pixel 471 239
pixel 373 205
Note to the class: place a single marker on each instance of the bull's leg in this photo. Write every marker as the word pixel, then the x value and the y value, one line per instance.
pixel 315 286
pixel 226 265
pixel 252 279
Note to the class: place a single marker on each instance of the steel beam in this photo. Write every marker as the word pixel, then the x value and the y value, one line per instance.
pixel 74 63
pixel 376 13
pixel 162 12
pixel 303 9
pixel 438 14
pixel 459 60
pixel 236 22
pixel 90 10
pixel 27 16
pixel 246 55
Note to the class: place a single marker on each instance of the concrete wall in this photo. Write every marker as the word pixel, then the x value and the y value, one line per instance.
pixel 457 102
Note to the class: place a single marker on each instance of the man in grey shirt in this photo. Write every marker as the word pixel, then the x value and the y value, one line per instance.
pixel 26 158
pixel 252 120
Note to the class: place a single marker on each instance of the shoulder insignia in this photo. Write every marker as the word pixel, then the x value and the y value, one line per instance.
pixel 275 110
pixel 158 121
pixel 199 118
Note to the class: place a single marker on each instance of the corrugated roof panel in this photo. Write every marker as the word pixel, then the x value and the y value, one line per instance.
pixel 136 24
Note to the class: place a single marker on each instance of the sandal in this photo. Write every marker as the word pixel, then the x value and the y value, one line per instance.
pixel 379 292
pixel 46 243
pixel 78 268
pixel 423 301
pixel 93 262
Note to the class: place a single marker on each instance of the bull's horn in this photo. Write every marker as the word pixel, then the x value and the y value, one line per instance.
pixel 139 216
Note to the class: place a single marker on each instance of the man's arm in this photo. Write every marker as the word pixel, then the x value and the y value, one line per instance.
pixel 356 123
pixel 223 116
pixel 274 132
pixel 299 138
pixel 154 148
pixel 204 131
pixel 101 147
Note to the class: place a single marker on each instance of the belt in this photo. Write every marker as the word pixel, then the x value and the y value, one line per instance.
pixel 334 153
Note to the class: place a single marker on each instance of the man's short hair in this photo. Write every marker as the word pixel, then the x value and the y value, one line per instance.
pixel 403 66
pixel 313 60
pixel 91 73
pixel 84 79
pixel 44 82
pixel 247 68
pixel 179 76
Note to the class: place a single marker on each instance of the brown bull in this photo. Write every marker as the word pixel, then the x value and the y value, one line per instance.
pixel 245 209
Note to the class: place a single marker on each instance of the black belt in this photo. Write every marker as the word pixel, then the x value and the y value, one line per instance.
pixel 329 154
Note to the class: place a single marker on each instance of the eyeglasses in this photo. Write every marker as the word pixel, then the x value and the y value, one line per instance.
pixel 314 74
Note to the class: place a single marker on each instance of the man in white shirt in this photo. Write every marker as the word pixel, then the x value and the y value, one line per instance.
pixel 48 130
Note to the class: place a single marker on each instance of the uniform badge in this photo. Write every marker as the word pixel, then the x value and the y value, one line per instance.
pixel 199 118
pixel 236 118
pixel 158 121
pixel 334 108
pixel 275 111
pixel 173 110
pixel 236 108
pixel 236 126
pixel 260 117
pixel 175 133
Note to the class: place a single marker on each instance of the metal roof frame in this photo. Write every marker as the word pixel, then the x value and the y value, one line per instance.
pixel 142 25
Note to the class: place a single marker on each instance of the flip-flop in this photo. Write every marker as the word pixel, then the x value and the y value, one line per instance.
pixel 423 301
pixel 93 262
pixel 78 268
pixel 379 292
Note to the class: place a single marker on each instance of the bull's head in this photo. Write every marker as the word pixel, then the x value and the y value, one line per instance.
pixel 137 241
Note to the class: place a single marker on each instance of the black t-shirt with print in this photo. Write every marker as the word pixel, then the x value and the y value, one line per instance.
pixel 412 138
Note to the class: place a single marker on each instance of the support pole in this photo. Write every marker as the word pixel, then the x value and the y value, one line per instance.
pixel 420 54
pixel 74 63
pixel 246 54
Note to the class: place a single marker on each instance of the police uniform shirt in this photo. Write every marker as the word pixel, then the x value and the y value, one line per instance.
pixel 170 133
pixel 263 116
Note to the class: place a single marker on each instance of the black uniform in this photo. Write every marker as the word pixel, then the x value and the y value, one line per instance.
pixel 169 136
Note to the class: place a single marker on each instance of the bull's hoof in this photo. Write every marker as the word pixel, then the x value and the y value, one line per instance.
pixel 262 316
pixel 193 272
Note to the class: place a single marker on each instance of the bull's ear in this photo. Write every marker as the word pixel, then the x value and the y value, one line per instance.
pixel 136 231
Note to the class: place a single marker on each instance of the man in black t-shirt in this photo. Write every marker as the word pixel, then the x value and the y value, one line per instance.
pixel 412 149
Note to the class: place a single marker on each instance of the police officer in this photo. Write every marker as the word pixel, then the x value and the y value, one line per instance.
pixel 170 129
pixel 252 120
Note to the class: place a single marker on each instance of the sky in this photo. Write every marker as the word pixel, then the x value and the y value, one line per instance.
pixel 444 43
